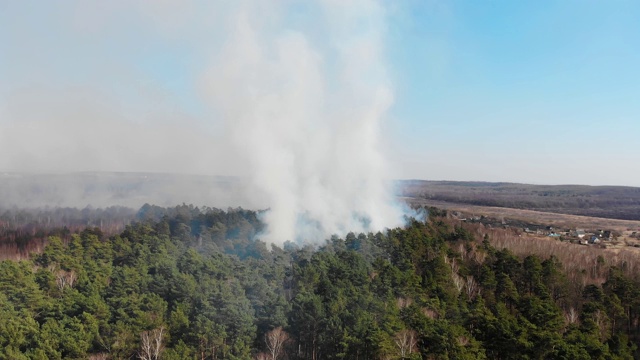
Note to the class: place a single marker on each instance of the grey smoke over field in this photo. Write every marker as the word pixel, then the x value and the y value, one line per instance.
pixel 293 97
pixel 307 118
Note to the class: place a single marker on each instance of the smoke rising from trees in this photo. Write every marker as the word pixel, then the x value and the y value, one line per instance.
pixel 306 117
pixel 293 99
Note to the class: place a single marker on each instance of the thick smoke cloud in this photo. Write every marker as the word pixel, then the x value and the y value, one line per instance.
pixel 307 118
pixel 291 97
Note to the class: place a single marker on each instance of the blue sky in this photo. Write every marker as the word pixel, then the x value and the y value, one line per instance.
pixel 526 91
pixel 543 91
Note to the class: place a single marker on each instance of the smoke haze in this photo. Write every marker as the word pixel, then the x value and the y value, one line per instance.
pixel 293 103
pixel 307 119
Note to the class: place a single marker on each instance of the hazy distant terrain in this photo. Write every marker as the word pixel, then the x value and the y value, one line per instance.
pixel 102 189
pixel 616 202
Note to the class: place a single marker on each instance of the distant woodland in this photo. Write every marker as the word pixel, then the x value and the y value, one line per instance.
pixel 23 231
pixel 197 283
pixel 615 202
pixel 105 189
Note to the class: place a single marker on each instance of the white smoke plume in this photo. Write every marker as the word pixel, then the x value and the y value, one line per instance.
pixel 307 117
pixel 288 96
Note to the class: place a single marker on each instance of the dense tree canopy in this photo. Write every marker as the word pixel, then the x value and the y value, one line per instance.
pixel 189 283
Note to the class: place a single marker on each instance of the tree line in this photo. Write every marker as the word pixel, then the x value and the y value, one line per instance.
pixel 26 231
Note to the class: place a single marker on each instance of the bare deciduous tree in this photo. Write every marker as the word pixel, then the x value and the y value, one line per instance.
pixel 406 340
pixel 275 340
pixel 65 279
pixel 479 256
pixel 462 249
pixel 453 264
pixel 571 316
pixel 458 281
pixel 601 320
pixel 404 302
pixel 151 345
pixel 471 287
pixel 430 313
pixel 463 340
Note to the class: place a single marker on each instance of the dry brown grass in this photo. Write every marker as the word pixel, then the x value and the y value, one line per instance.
pixel 586 264
pixel 545 218
pixel 580 261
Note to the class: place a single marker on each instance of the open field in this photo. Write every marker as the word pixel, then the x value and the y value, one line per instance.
pixel 615 202
pixel 540 217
